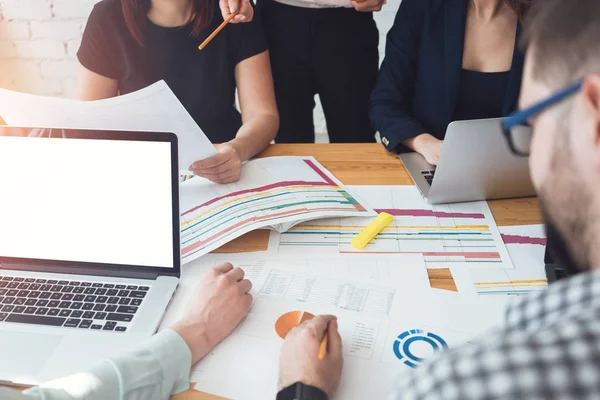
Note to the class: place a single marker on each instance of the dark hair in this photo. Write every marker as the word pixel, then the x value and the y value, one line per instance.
pixel 136 11
pixel 564 39
pixel 520 7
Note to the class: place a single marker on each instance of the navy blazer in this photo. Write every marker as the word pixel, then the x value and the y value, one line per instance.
pixel 418 86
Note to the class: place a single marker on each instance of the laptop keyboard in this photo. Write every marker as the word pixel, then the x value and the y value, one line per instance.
pixel 428 175
pixel 69 304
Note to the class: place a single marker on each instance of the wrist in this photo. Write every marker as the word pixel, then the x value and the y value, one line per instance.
pixel 196 337
pixel 301 391
pixel 421 142
pixel 238 145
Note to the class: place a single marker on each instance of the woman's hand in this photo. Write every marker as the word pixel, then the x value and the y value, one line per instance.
pixel 368 5
pixel 428 146
pixel 217 306
pixel 224 167
pixel 245 13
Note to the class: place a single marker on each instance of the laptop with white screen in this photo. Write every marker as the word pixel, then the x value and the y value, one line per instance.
pixel 89 246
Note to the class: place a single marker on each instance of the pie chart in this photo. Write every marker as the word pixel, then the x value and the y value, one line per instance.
pixel 290 320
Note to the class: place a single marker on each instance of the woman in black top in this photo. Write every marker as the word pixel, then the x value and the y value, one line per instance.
pixel 446 60
pixel 130 44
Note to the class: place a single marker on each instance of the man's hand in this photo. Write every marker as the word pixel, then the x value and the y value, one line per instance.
pixel 225 167
pixel 368 5
pixel 217 306
pixel 245 14
pixel 428 146
pixel 299 361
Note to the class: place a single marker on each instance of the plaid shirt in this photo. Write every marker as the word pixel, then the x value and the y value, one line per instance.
pixel 549 348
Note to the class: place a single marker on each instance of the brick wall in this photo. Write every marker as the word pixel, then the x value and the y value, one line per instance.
pixel 39 40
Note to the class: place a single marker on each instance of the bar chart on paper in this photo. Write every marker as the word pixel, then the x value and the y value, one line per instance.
pixel 274 192
pixel 463 233
pixel 526 247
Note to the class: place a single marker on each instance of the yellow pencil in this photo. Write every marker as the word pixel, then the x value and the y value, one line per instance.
pixel 216 32
pixel 323 347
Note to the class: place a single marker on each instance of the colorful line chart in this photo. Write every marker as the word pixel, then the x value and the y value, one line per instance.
pixel 274 192
pixel 526 247
pixel 444 234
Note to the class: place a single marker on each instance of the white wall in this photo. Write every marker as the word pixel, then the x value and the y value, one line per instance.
pixel 39 41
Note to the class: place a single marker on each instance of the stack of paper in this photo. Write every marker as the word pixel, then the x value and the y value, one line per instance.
pixel 276 193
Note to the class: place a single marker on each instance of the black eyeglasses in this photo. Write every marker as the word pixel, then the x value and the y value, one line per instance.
pixel 516 126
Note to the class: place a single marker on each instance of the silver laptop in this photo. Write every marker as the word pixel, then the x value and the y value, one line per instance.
pixel 89 246
pixel 475 164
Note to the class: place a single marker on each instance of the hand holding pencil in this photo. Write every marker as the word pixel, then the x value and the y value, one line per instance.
pixel 312 354
pixel 233 12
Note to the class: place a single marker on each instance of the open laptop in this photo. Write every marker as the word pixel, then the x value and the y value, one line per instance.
pixel 475 164
pixel 89 246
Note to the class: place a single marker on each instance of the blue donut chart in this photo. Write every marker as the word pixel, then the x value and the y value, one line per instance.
pixel 407 338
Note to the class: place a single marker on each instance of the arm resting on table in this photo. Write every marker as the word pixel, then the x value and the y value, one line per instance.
pixel 156 370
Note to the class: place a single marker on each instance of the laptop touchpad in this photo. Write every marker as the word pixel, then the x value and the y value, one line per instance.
pixel 27 352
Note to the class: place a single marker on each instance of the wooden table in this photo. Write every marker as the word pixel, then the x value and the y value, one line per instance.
pixel 370 164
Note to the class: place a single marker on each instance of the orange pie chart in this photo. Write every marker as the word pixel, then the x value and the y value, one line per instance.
pixel 290 320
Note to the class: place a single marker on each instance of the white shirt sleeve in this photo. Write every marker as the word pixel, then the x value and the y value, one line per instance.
pixel 154 371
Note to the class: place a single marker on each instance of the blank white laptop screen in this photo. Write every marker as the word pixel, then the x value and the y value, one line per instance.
pixel 99 201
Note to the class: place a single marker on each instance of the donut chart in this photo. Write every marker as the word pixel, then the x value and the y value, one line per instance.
pixel 404 345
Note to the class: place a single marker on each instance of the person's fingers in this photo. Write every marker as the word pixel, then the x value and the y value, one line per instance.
pixel 224 268
pixel 367 5
pixel 219 169
pixel 334 340
pixel 245 286
pixel 318 325
pixel 210 162
pixel 225 10
pixel 224 179
pixel 236 275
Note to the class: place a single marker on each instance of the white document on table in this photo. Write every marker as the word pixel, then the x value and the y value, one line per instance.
pixel 376 300
pixel 526 246
pixel 154 108
pixel 461 235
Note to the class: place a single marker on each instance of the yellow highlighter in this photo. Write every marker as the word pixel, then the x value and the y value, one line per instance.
pixel 366 235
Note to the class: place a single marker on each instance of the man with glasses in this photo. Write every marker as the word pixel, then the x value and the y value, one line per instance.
pixel 549 346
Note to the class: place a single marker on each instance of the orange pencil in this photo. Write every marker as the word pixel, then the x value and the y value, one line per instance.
pixel 216 32
pixel 323 347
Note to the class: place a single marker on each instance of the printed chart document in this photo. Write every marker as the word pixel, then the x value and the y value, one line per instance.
pixel 389 320
pixel 275 193
pixel 526 246
pixel 154 109
pixel 463 234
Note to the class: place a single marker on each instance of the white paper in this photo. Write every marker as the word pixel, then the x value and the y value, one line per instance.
pixel 454 235
pixel 153 109
pixel 526 246
pixel 376 300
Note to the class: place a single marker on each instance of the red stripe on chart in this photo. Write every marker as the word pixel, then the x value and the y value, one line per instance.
pixel 465 255
pixel 517 239
pixel 428 213
pixel 321 173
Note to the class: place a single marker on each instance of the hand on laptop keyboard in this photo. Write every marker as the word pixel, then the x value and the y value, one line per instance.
pixel 217 306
